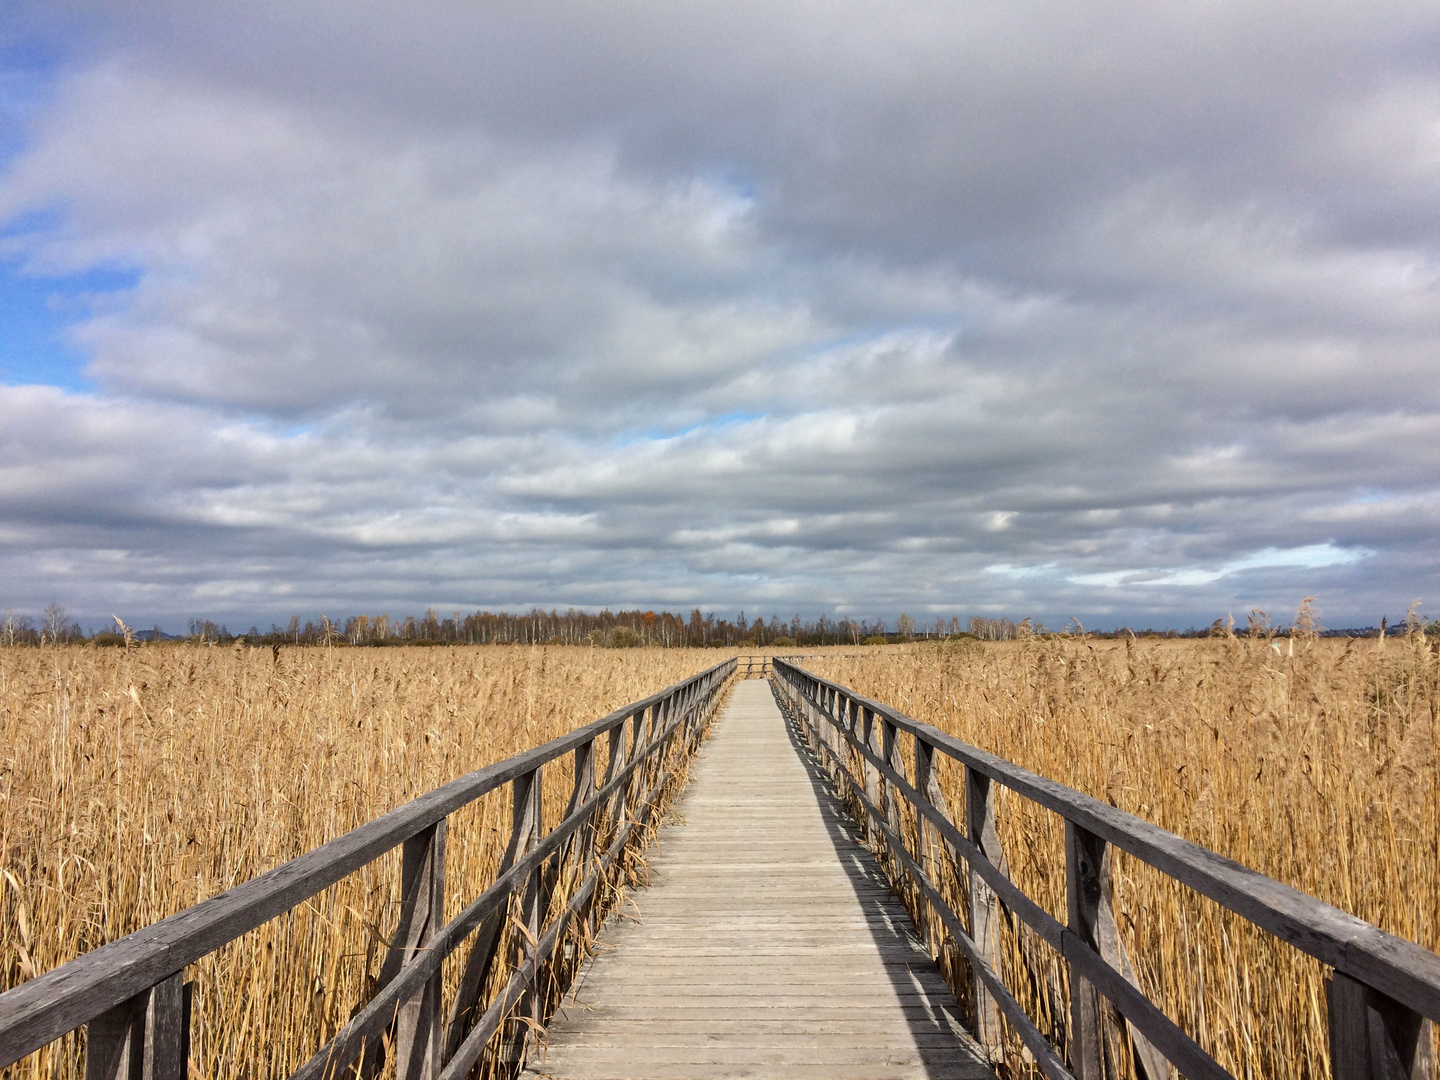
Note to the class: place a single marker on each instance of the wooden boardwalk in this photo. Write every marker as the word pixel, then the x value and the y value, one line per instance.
pixel 768 943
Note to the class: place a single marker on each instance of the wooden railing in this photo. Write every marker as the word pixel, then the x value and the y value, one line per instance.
pixel 133 998
pixel 1383 995
pixel 762 665
pixel 753 667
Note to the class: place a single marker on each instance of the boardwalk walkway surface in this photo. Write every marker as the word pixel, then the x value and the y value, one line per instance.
pixel 768 943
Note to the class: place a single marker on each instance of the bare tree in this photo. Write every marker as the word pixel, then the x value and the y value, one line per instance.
pixel 14 626
pixel 54 623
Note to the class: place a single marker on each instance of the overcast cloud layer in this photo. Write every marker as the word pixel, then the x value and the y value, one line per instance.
pixel 1128 312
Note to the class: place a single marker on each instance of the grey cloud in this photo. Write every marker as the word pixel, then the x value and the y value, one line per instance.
pixel 736 304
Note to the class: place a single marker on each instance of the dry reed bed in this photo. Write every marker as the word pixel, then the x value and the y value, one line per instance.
pixel 136 783
pixel 1313 762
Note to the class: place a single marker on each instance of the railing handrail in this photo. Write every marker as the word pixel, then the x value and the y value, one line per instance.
pixel 1403 971
pixel 44 1008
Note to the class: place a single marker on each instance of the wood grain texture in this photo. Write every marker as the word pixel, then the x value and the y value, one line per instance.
pixel 768 943
pixel 45 1008
pixel 1402 970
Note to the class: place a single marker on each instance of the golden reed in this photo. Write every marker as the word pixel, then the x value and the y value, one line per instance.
pixel 1315 761
pixel 135 783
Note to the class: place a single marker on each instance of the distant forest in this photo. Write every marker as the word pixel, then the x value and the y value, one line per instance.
pixel 615 629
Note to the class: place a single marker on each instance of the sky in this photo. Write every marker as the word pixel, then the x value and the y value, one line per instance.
pixel 1122 312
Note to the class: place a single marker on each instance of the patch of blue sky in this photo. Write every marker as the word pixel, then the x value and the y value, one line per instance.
pixel 711 423
pixel 1305 557
pixel 36 311
pixel 937 325
pixel 27 76
pixel 735 182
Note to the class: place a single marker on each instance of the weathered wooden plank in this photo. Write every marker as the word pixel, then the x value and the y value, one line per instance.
pixel 1400 969
pixel 485 948
pixel 1373 1038
pixel 114 1042
pixel 680 1056
pixel 908 1016
pixel 1083 855
pixel 1161 1037
pixel 41 1010
pixel 418 1026
pixel 619 1068
pixel 166 1053
pixel 744 946
pixel 984 905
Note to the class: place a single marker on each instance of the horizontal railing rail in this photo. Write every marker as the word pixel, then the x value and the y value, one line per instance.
pixel 133 1000
pixel 753 666
pixel 1384 993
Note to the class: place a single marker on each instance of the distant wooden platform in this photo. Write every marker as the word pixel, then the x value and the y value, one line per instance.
pixel 767 945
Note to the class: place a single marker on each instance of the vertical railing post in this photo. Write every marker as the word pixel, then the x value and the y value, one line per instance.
pixel 868 739
pixel 1090 891
pixel 522 947
pixel 166 1055
pixel 115 1041
pixel 833 738
pixel 984 906
pixel 418 1028
pixel 578 850
pixel 1085 856
pixel 890 795
pixel 609 817
pixel 635 787
pixel 926 836
pixel 525 823
pixel 1373 1037
pixel 144 1038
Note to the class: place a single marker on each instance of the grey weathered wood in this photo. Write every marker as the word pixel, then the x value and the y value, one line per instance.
pixel 471 1049
pixel 166 1051
pixel 1149 1062
pixel 764 912
pixel 418 1026
pixel 114 1042
pixel 891 753
pixel 1373 1037
pixel 376 1015
pixel 580 851
pixel 1140 1013
pixel 418 922
pixel 1400 969
pixel 1084 855
pixel 931 851
pixel 984 906
pixel 41 1010
pixel 870 739
pixel 485 949
pixel 468 1053
pixel 524 944
pixel 144 1038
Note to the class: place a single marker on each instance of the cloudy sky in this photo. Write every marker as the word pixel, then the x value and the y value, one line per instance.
pixel 1129 312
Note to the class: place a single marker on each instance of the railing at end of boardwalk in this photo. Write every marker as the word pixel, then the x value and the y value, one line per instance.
pixel 132 996
pixel 1382 999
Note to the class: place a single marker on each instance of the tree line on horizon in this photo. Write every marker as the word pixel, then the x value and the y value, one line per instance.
pixel 618 629
pixel 535 627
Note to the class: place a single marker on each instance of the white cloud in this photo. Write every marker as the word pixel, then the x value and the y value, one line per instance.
pixel 734 302
pixel 1309 557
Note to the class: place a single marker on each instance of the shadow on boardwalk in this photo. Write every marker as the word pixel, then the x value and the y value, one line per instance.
pixel 935 1022
pixel 768 944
